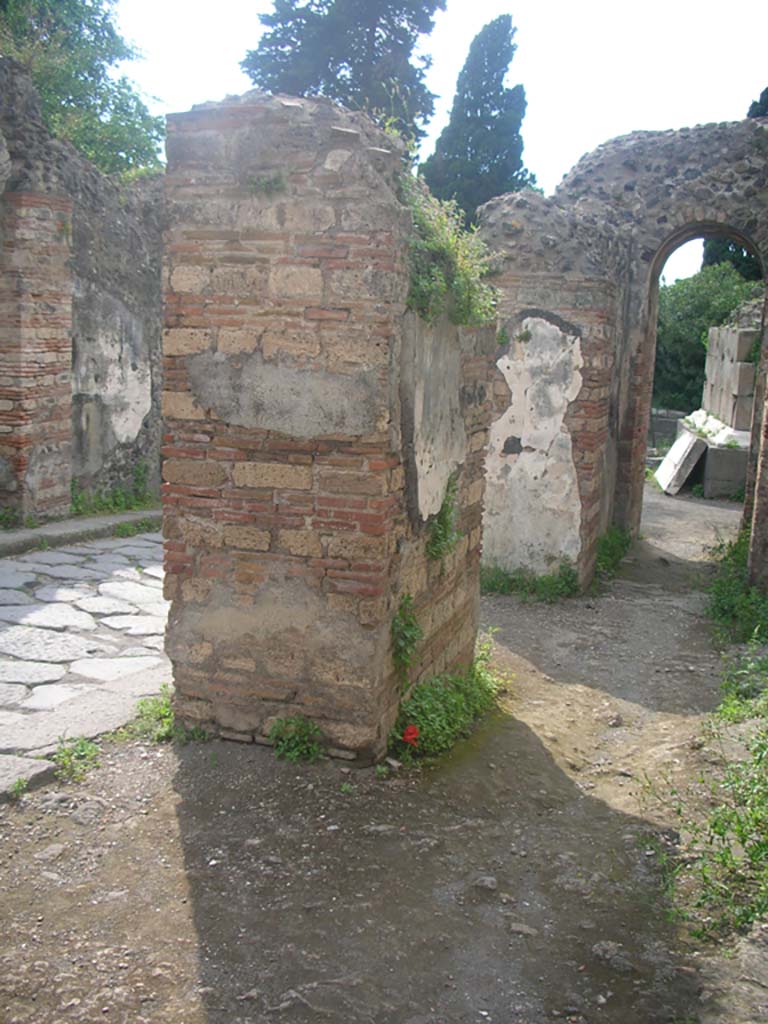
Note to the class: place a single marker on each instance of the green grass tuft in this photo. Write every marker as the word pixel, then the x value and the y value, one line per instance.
pixel 444 708
pixel 739 610
pixel 75 758
pixel 550 587
pixel 611 548
pixel 296 739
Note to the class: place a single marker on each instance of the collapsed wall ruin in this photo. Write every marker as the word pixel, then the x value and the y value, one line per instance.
pixel 80 316
pixel 314 428
pixel 578 278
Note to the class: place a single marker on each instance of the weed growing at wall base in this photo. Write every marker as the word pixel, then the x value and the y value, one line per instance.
pixel 441 710
pixel 296 739
pixel 549 587
pixel 611 548
pixel 137 496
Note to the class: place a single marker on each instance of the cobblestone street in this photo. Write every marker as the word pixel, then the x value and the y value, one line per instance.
pixel 81 638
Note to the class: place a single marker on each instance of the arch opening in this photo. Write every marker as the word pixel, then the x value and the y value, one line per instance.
pixel 704 336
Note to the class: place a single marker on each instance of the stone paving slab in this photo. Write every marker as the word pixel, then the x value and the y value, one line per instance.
pixel 91 713
pixel 22 769
pixel 81 639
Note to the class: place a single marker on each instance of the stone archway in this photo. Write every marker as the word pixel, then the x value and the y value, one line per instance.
pixel 590 256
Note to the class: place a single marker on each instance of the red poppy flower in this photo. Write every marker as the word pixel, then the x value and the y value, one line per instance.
pixel 411 735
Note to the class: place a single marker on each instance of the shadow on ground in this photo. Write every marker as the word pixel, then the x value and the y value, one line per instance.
pixel 492 888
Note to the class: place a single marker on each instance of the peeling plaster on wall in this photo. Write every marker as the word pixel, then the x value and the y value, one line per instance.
pixel 432 375
pixel 533 509
pixel 112 367
pixel 249 392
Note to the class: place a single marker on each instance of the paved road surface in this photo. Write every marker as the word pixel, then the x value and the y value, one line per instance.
pixel 81 638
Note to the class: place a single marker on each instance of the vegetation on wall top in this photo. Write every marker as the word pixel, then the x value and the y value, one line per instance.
pixel 447 262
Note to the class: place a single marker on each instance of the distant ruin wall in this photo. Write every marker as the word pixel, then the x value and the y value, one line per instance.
pixel 586 261
pixel 80 319
pixel 312 427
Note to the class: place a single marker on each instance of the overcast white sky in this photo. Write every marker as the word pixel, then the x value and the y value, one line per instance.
pixel 592 70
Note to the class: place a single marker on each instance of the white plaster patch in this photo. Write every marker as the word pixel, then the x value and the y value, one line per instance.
pixel 439 437
pixel 532 504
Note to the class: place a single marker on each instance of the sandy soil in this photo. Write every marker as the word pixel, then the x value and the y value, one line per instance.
pixel 516 883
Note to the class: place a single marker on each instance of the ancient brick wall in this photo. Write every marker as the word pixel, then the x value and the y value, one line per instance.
pixel 35 353
pixel 311 427
pixel 90 267
pixel 587 261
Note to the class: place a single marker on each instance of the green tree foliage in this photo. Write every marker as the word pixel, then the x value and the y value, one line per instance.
pixel 687 309
pixel 69 48
pixel 479 154
pixel 759 108
pixel 357 52
pixel 720 250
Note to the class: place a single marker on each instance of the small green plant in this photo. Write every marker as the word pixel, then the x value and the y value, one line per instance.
pixel 447 262
pixel 43 544
pixel 85 503
pixel 697 491
pixel 18 789
pixel 296 739
pixel 442 709
pixel 745 685
pixel 154 719
pixel 382 772
pixel 31 523
pixel 131 529
pixel 9 518
pixel 155 722
pixel 75 758
pixel 612 546
pixel 524 336
pixel 739 610
pixel 503 337
pixel 442 533
pixel 549 587
pixel 267 184
pixel 730 872
pixel 406 634
pixel 346 788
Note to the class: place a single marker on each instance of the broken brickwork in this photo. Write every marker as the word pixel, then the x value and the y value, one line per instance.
pixel 578 274
pixel 312 426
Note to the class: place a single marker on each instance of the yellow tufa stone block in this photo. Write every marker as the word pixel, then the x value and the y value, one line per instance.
pixel 273 474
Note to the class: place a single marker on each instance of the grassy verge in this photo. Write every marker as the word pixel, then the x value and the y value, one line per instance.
pixel 549 587
pixel 739 611
pixel 721 874
pixel 441 710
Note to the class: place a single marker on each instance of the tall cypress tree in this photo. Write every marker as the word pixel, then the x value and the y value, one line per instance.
pixel 721 250
pixel 479 154
pixel 357 52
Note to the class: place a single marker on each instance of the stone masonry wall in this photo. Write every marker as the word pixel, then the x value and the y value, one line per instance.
pixel 587 261
pixel 306 446
pixel 90 266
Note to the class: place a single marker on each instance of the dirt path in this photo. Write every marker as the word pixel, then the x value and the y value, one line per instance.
pixel 515 884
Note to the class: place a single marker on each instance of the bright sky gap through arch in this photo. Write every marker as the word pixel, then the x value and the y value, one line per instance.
pixel 591 71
